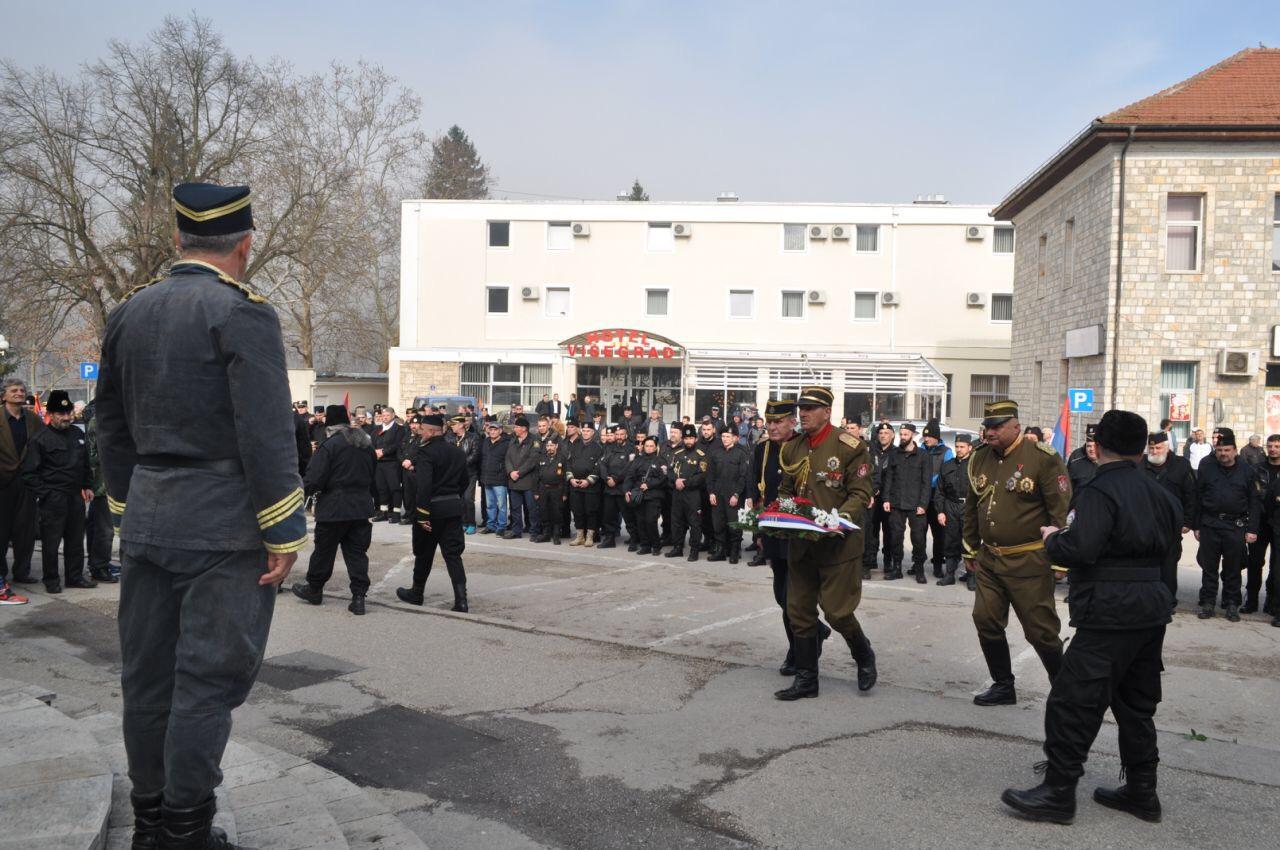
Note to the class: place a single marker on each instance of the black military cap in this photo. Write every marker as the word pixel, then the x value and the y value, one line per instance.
pixel 964 438
pixel 618 426
pixel 1035 429
pixel 883 426
pixel 460 418
pixel 1226 436
pixel 319 408
pixel 432 419
pixel 521 421
pixel 59 402
pixel 1090 431
pixel 689 430
pixel 932 429
pixel 999 412
pixel 1122 432
pixel 1157 437
pixel 909 426
pixel 815 397
pixel 716 408
pixel 728 428
pixel 336 414
pixel 782 408
pixel 587 424
pixel 490 420
pixel 207 209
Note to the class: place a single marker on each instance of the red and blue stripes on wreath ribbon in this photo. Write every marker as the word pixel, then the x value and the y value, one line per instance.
pixel 792 522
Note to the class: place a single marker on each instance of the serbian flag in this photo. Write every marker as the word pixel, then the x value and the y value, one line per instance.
pixel 39 408
pixel 1062 431
pixel 793 522
pixel 346 400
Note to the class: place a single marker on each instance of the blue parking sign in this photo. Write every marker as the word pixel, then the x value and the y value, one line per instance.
pixel 89 371
pixel 1081 399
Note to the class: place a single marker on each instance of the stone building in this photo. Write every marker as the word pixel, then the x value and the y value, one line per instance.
pixel 1147 259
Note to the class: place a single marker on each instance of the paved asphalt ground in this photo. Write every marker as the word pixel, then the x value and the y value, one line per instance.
pixel 595 699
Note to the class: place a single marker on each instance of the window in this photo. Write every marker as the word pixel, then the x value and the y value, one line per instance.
pixel 1041 250
pixel 1275 238
pixel 1069 253
pixel 657 302
pixel 499 234
pixel 500 385
pixel 1002 240
pixel 1001 307
pixel 1182 228
pixel 1177 397
pixel 866 306
pixel 742 303
pixel 497 300
pixel 795 237
pixel 984 389
pixel 868 238
pixel 931 406
pixel 660 238
pixel 559 236
pixel 793 305
pixel 557 301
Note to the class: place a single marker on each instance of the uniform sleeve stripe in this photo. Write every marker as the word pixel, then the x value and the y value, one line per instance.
pixel 284 548
pixel 280 510
pixel 114 506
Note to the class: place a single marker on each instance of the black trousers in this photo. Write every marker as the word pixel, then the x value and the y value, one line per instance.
pixel 1225 546
pixel 19 525
pixel 726 537
pixel 193 627
pixel 631 519
pixel 650 510
pixel 708 521
pixel 62 524
pixel 447 535
pixel 99 534
pixel 523 512
pixel 954 545
pixel 551 509
pixel 686 518
pixel 468 502
pixel 666 518
pixel 877 527
pixel 585 504
pixel 387 478
pixel 938 532
pixel 1257 557
pixel 899 520
pixel 1169 569
pixel 1100 670
pixel 354 536
pixel 410 491
pixel 611 511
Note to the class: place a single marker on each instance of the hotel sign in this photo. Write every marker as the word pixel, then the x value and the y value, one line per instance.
pixel 622 344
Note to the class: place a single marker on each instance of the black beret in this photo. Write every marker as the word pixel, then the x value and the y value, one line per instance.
pixel 909 426
pixel 432 419
pixel 618 426
pixel 883 426
pixel 588 423
pixel 1157 437
pixel 521 421
pixel 728 429
pixel 207 209
pixel 1226 436
pixel 59 402
pixel 689 430
pixel 336 414
pixel 964 438
pixel 1122 432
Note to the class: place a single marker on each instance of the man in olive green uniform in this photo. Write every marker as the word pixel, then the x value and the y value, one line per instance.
pixel 1015 487
pixel 833 470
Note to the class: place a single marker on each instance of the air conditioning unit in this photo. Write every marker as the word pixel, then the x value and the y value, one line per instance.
pixel 890 299
pixel 682 229
pixel 580 228
pixel 974 233
pixel 816 296
pixel 1233 362
pixel 530 293
pixel 975 299
pixel 841 231
pixel 819 231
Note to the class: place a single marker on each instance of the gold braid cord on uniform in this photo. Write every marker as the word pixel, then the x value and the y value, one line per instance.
pixel 116 510
pixel 799 471
pixel 980 493
pixel 284 525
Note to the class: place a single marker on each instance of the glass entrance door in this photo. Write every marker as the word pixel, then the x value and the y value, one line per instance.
pixel 639 387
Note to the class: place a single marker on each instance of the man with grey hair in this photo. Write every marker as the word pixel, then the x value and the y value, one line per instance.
pixel 17 507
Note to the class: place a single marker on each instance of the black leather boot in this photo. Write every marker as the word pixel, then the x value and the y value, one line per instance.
pixel 937 570
pixel 677 551
pixel 758 560
pixel 1250 605
pixel 805 685
pixel 1000 666
pixel 734 554
pixel 460 598
pixel 788 667
pixel 865 657
pixel 147 821
pixel 1052 661
pixel 949 573
pixel 192 829
pixel 918 572
pixel 1137 796
pixel 103 576
pixel 412 595
pixel 717 554
pixel 304 591
pixel 971 582
pixel 1053 800
pixel 356 605
pixel 609 542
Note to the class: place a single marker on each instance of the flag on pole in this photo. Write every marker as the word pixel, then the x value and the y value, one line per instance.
pixel 39 408
pixel 346 400
pixel 1062 431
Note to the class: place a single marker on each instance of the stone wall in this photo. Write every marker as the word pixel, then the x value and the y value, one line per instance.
pixel 418 376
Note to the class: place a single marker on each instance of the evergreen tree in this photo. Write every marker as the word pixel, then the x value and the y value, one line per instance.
pixel 455 171
pixel 637 192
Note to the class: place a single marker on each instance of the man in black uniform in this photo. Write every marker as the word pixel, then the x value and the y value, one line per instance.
pixel 687 476
pixel 948 503
pixel 302 435
pixel 615 465
pixel 1174 473
pixel 464 437
pixel 1083 463
pixel 585 485
pixel 1228 511
pixel 208 503
pixel 408 450
pixel 441 473
pixel 551 491
pixel 907 487
pixel 675 442
pixel 1268 473
pixel 387 438
pixel 56 471
pixel 648 486
pixel 341 477
pixel 1118 535
pixel 709 443
pixel 727 483
pixel 877 517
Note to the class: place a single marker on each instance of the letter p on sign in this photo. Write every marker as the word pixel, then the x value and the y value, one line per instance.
pixel 1081 400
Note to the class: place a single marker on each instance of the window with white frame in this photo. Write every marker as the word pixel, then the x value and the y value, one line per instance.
pixel 866 306
pixel 660 237
pixel 795 237
pixel 1275 237
pixel 742 303
pixel 657 302
pixel 559 236
pixel 557 302
pixel 1002 240
pixel 1177 396
pixel 984 389
pixel 500 385
pixel 1001 307
pixel 1183 221
pixel 497 300
pixel 499 234
pixel 868 241
pixel 793 304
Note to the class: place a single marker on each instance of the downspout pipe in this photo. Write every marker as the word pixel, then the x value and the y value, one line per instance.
pixel 1115 330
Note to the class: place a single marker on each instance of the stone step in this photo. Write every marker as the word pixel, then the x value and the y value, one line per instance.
pixel 55 782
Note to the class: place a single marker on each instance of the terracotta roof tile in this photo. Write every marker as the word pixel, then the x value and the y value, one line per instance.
pixel 1243 89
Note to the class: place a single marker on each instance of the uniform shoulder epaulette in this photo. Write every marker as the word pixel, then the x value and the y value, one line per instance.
pixel 142 286
pixel 850 440
pixel 244 288
pixel 1046 448
pixel 701 452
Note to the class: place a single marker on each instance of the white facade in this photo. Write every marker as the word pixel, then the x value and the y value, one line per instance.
pixel 744 306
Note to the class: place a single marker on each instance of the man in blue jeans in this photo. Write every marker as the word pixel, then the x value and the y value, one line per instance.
pixel 493 476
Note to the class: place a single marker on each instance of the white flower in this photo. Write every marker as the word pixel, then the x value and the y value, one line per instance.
pixel 787 505
pixel 825 519
pixel 744 515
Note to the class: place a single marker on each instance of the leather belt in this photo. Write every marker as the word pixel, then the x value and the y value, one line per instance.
pixel 1115 574
pixel 226 465
pixel 1017 549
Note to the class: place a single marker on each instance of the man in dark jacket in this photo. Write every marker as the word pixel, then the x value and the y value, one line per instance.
pixel 387 438
pixel 648 484
pixel 907 489
pixel 408 449
pixel 1083 462
pixel 687 475
pixel 521 463
pixel 948 503
pixel 18 425
pixel 441 470
pixel 463 437
pixel 1268 474
pixel 877 518
pixel 1228 513
pixel 341 477
pixel 727 483
pixel 709 442
pixel 585 485
pixel 1118 535
pixel 493 476
pixel 302 435
pixel 551 490
pixel 1174 473
pixel 99 532
pixel 939 453
pixel 615 470
pixel 56 471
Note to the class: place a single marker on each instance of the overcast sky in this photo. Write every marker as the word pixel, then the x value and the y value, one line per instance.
pixel 801 101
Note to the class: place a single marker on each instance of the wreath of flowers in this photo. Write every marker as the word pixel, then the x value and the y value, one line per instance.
pixel 792 517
